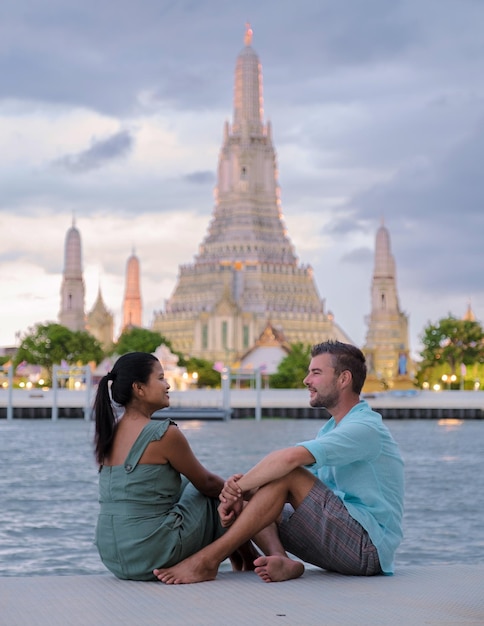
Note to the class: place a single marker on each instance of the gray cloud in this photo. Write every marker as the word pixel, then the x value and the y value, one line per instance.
pixel 200 178
pixel 99 153
pixel 376 109
pixel 359 255
pixel 103 56
pixel 436 216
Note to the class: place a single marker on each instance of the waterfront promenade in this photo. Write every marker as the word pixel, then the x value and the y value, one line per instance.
pixel 239 403
pixel 435 595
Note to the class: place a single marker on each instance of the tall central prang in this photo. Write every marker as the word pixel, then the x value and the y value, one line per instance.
pixel 246 274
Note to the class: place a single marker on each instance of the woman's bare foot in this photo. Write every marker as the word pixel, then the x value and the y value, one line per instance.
pixel 191 570
pixel 236 561
pixel 277 568
pixel 243 558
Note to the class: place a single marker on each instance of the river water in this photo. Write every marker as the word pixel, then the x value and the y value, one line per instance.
pixel 48 487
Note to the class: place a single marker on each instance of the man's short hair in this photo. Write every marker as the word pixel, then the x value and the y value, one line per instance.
pixel 345 357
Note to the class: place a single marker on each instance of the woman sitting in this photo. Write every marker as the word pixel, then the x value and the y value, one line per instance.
pixel 158 502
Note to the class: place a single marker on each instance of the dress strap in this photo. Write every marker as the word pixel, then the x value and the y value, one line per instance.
pixel 153 431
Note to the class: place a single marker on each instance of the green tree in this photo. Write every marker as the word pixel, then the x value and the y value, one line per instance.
pixel 449 343
pixel 207 376
pixel 50 344
pixel 139 340
pixel 293 368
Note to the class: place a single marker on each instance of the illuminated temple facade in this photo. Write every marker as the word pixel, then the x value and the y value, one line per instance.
pixel 246 274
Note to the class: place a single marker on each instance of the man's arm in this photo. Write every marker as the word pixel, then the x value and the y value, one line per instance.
pixel 275 465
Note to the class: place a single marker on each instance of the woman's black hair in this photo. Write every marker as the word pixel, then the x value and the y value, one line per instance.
pixel 130 368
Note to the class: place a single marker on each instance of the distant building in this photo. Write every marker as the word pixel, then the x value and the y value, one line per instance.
pixel 266 354
pixel 71 314
pixel 132 310
pixel 469 315
pixel 246 272
pixel 100 323
pixel 386 347
pixel 8 350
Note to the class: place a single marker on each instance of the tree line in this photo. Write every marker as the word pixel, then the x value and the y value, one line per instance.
pixel 453 349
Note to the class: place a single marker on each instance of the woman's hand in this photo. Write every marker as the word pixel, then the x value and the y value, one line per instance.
pixel 228 512
pixel 231 491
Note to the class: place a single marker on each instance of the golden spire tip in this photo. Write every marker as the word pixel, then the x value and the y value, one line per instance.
pixel 248 34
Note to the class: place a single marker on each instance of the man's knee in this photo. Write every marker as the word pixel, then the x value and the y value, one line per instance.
pixel 301 481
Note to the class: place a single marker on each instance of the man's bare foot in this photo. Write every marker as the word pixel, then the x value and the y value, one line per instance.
pixel 191 570
pixel 277 568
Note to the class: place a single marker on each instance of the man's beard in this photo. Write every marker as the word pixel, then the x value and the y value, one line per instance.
pixel 327 401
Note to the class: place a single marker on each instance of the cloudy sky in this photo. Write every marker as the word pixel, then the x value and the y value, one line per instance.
pixel 113 112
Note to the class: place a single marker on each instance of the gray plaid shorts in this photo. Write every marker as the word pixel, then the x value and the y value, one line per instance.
pixel 322 532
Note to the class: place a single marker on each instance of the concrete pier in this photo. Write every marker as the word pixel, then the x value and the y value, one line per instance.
pixel 434 595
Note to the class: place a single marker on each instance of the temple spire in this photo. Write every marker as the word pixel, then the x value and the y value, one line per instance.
pixel 385 263
pixel 386 347
pixel 469 314
pixel 71 312
pixel 248 34
pixel 246 271
pixel 132 309
pixel 248 99
pixel 247 224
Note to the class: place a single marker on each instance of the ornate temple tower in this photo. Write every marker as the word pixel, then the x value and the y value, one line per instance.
pixel 132 295
pixel 100 323
pixel 71 312
pixel 246 273
pixel 386 347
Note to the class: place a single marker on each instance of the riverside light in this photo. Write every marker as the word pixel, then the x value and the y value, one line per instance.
pixel 448 379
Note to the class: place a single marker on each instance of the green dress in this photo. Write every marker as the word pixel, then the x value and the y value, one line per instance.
pixel 150 515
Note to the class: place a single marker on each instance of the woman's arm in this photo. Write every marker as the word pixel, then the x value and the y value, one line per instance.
pixel 176 450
